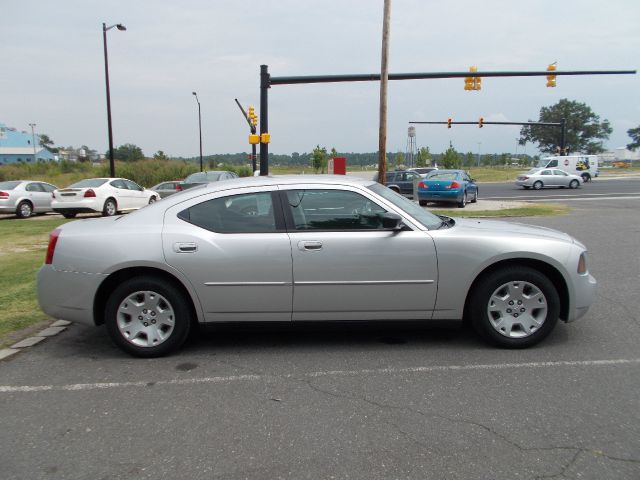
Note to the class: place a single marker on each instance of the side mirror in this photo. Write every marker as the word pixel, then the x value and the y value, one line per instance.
pixel 391 221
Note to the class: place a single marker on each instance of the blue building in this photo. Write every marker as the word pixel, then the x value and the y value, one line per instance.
pixel 17 147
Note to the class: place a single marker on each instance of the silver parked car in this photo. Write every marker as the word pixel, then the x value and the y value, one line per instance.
pixel 304 248
pixel 25 197
pixel 165 189
pixel 538 178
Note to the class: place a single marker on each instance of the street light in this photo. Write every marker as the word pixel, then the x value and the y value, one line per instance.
pixel 33 139
pixel 199 127
pixel 119 26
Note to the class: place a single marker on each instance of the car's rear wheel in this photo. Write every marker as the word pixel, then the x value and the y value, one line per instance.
pixel 69 215
pixel 24 210
pixel 574 184
pixel 515 307
pixel 110 208
pixel 475 196
pixel 462 203
pixel 423 203
pixel 586 177
pixel 537 185
pixel 147 317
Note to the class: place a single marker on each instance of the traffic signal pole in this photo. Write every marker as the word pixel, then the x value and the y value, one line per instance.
pixel 266 81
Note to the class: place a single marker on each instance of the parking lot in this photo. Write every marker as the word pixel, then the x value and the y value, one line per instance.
pixel 346 401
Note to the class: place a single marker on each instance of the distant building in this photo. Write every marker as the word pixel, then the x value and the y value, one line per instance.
pixel 620 154
pixel 17 147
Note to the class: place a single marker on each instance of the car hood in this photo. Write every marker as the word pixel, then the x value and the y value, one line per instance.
pixel 519 229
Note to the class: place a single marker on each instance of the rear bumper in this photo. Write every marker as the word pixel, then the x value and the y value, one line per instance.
pixel 54 289
pixel 440 195
pixel 78 206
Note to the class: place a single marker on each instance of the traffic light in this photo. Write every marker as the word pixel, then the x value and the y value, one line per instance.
pixel 253 118
pixel 472 83
pixel 551 79
pixel 481 122
pixel 449 123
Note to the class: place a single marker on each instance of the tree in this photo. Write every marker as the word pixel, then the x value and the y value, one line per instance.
pixel 451 159
pixel 160 155
pixel 583 130
pixel 423 158
pixel 47 143
pixel 128 153
pixel 634 133
pixel 319 158
pixel 469 159
pixel 399 159
pixel 334 152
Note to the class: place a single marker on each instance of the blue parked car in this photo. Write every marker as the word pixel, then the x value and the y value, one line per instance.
pixel 447 186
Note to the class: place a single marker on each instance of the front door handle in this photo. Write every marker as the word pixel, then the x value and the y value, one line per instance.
pixel 310 245
pixel 185 247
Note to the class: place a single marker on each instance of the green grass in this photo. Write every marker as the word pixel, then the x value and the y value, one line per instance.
pixel 528 211
pixel 23 244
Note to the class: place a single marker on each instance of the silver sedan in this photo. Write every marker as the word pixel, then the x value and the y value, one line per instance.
pixel 538 178
pixel 308 248
pixel 25 197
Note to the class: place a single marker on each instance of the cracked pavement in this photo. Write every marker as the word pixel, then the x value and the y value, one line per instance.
pixel 346 401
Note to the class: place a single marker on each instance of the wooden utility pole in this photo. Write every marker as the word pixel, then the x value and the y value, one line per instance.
pixel 384 80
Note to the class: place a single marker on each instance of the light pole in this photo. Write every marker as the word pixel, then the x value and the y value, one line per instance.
pixel 33 140
pixel 199 127
pixel 119 26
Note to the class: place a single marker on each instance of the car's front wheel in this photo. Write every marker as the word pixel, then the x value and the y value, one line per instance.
pixel 147 317
pixel 475 196
pixel 152 200
pixel 574 184
pixel 515 307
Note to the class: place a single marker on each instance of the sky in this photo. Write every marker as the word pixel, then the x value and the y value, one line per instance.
pixel 53 70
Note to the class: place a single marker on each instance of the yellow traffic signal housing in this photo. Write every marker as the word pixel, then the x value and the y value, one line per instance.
pixel 481 122
pixel 265 138
pixel 472 83
pixel 477 84
pixel 551 79
pixel 254 139
pixel 468 83
pixel 448 123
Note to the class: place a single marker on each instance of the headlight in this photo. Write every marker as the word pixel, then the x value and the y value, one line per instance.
pixel 583 267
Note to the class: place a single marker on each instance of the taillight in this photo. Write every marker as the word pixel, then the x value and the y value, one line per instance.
pixel 178 188
pixel 4 195
pixel 53 240
pixel 89 194
pixel 422 185
pixel 453 185
pixel 525 177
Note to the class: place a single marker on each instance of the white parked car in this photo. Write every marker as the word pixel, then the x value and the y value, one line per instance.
pixel 103 195
pixel 25 197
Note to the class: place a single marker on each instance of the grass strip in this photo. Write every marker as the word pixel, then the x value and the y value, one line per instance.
pixel 534 210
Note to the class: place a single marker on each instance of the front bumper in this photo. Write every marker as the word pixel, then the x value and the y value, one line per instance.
pixel 585 288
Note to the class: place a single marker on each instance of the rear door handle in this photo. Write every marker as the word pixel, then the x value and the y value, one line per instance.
pixel 185 247
pixel 310 245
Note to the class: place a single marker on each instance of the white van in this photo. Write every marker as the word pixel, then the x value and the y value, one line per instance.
pixel 584 165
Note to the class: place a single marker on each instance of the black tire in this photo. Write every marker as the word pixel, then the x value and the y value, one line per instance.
pixel 574 184
pixel 475 196
pixel 462 203
pixel 423 203
pixel 24 209
pixel 152 200
pixel 586 177
pixel 526 187
pixel 69 215
pixel 528 280
pixel 395 189
pixel 171 305
pixel 537 185
pixel 110 208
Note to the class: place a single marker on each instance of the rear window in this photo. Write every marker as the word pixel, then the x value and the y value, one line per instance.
pixel 442 176
pixel 89 183
pixel 203 177
pixel 8 185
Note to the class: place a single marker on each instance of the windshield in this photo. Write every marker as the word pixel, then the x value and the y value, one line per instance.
pixel 203 177
pixel 89 183
pixel 426 218
pixel 8 185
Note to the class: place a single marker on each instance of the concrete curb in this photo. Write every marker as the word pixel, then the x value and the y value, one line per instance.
pixel 54 329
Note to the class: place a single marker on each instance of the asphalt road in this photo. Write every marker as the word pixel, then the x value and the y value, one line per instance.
pixel 596 190
pixel 357 402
